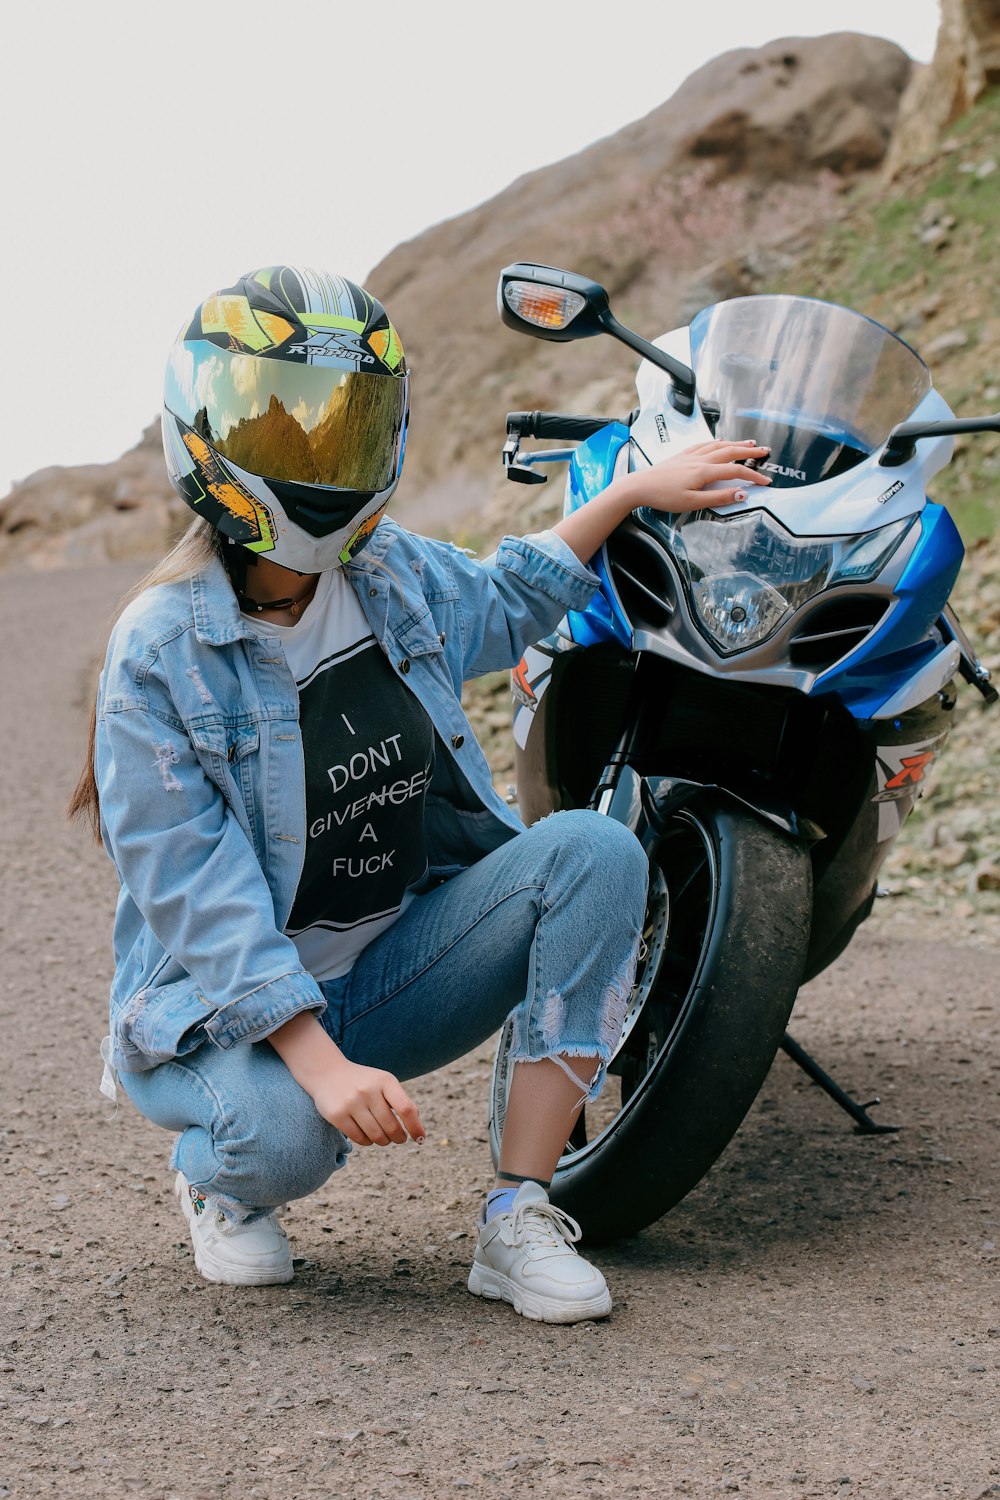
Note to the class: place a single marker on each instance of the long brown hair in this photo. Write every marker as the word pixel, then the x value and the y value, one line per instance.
pixel 199 546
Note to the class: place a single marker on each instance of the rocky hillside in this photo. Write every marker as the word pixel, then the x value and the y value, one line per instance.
pixel 966 65
pixel 756 145
pixel 62 517
pixel 753 146
pixel 767 170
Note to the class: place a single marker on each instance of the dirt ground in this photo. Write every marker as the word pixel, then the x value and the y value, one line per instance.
pixel 820 1317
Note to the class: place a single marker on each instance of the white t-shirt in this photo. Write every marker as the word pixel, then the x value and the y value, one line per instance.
pixel 369 753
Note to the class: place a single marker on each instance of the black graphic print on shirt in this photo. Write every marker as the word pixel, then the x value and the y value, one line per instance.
pixel 368 748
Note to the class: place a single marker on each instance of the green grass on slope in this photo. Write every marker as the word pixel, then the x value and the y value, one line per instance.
pixel 920 256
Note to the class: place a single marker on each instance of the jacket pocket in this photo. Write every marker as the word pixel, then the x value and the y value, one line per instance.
pixel 225 751
pixel 418 634
pixel 230 742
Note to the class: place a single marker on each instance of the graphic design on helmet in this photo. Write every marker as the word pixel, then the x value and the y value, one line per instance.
pixel 222 485
pixel 286 404
pixel 356 542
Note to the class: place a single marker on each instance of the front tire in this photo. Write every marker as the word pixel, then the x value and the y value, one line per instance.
pixel 725 940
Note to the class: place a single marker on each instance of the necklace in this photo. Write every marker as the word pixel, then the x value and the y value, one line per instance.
pixel 294 606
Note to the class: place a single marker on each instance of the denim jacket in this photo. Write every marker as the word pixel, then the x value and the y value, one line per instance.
pixel 200 771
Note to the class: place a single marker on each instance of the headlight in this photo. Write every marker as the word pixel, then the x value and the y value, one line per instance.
pixel 745 573
pixel 738 609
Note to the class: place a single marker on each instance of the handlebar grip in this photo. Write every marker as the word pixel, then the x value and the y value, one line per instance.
pixel 555 424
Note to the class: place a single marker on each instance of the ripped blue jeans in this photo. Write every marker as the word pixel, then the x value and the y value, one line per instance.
pixel 545 929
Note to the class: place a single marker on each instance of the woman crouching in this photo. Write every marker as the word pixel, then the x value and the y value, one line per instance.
pixel 321 892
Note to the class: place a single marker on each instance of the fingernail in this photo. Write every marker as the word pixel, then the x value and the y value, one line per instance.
pixel 419 1140
pixel 739 495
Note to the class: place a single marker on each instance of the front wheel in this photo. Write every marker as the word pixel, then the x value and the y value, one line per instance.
pixel 724 947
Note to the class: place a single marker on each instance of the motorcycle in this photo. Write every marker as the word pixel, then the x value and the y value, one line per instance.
pixel 758 692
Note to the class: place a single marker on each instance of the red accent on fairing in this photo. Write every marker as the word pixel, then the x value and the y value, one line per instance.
pixel 913 768
pixel 519 677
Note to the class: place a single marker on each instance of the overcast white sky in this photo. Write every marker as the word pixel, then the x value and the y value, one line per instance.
pixel 155 151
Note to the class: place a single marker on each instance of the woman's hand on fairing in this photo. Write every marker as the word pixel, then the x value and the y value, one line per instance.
pixel 678 484
pixel 681 483
pixel 369 1105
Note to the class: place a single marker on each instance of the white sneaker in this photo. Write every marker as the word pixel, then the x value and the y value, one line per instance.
pixel 527 1258
pixel 254 1254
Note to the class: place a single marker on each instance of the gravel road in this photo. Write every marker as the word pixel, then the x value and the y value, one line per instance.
pixel 820 1317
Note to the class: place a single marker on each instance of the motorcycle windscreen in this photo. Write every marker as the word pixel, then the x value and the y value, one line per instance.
pixel 820 385
pixel 303 424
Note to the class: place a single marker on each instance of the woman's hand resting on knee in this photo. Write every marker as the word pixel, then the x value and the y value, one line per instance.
pixel 369 1105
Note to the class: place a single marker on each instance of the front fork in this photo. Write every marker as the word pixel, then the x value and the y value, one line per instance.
pixel 621 793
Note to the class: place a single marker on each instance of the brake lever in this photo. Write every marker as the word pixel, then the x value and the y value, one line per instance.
pixel 515 467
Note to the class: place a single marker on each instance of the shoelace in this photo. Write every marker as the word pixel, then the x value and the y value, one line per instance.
pixel 545 1223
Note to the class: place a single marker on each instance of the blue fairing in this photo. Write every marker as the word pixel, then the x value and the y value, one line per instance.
pixel 899 647
pixel 590 472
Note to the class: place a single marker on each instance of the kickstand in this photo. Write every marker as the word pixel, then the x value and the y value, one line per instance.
pixel 863 1122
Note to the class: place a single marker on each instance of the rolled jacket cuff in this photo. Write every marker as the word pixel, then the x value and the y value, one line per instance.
pixel 259 1012
pixel 547 562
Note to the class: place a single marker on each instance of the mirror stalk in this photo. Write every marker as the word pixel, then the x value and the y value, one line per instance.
pixel 901 443
pixel 682 376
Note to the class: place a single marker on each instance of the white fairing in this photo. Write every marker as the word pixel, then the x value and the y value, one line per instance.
pixel 929 680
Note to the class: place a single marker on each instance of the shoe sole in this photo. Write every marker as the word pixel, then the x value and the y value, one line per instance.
pixel 493 1285
pixel 217 1271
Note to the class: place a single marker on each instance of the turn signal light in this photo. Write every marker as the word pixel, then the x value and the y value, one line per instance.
pixel 543 306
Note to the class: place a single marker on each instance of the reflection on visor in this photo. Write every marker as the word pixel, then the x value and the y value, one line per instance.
pixel 307 424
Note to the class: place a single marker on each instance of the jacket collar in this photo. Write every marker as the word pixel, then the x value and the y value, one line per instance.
pixel 375 548
pixel 217 617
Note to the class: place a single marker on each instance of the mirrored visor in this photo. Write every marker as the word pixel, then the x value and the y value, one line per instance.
pixel 304 424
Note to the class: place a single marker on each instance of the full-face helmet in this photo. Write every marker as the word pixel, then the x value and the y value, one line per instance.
pixel 284 415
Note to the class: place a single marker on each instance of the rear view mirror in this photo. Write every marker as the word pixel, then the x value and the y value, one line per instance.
pixel 561 306
pixel 550 304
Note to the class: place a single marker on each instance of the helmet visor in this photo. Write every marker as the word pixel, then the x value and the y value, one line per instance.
pixel 304 424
